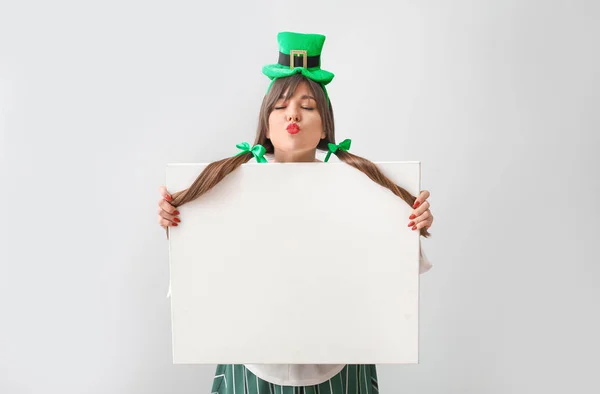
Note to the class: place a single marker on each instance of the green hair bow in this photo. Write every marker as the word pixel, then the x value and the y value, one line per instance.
pixel 258 151
pixel 344 145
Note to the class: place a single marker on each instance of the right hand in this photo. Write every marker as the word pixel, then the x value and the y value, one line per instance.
pixel 167 213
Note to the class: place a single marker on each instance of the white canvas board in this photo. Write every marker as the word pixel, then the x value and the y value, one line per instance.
pixel 295 263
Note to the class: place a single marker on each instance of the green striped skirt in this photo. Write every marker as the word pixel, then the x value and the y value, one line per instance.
pixel 237 379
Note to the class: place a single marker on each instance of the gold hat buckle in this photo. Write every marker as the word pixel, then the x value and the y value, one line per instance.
pixel 297 52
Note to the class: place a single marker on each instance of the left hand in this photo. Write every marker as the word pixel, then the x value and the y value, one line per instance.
pixel 421 216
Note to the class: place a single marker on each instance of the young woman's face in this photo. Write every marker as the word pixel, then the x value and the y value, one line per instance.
pixel 295 125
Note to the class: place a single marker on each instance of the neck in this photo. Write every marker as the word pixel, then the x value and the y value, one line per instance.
pixel 295 157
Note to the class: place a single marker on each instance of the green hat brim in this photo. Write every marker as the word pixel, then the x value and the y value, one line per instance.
pixel 274 71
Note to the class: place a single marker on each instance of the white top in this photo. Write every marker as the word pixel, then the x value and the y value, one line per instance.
pixel 307 374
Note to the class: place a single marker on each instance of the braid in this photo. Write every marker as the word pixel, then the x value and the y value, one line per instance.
pixel 372 171
pixel 213 174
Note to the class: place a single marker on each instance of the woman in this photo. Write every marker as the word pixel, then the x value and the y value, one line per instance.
pixel 296 120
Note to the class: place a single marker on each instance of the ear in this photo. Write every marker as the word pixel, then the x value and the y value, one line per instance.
pixel 323 135
pixel 267 134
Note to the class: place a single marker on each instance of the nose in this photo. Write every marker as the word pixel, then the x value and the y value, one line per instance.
pixel 292 113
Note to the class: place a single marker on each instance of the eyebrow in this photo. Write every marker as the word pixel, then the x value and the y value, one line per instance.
pixel 301 98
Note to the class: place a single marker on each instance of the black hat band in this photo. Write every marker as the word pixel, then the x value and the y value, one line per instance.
pixel 311 61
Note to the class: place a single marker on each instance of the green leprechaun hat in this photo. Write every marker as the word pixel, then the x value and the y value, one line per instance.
pixel 299 53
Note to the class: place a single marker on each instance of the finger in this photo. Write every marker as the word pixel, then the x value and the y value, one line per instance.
pixel 164 223
pixel 165 194
pixel 167 207
pixel 424 216
pixel 420 225
pixel 168 216
pixel 424 195
pixel 418 219
pixel 419 211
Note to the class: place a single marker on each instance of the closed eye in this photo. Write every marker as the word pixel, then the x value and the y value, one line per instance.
pixel 307 108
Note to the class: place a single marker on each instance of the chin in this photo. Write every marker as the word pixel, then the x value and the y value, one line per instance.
pixel 292 145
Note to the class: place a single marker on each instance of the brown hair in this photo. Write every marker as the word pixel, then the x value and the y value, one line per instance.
pixel 217 171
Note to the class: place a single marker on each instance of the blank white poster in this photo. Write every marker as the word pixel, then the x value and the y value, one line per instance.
pixel 295 263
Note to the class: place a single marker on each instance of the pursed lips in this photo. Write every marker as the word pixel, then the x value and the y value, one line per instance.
pixel 293 128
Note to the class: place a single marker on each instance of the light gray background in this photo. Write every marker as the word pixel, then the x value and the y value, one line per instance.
pixel 498 99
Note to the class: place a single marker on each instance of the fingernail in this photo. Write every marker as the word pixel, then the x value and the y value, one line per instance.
pixel 417 203
pixel 176 213
pixel 175 224
pixel 411 224
pixel 412 216
pixel 414 228
pixel 177 220
pixel 168 198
